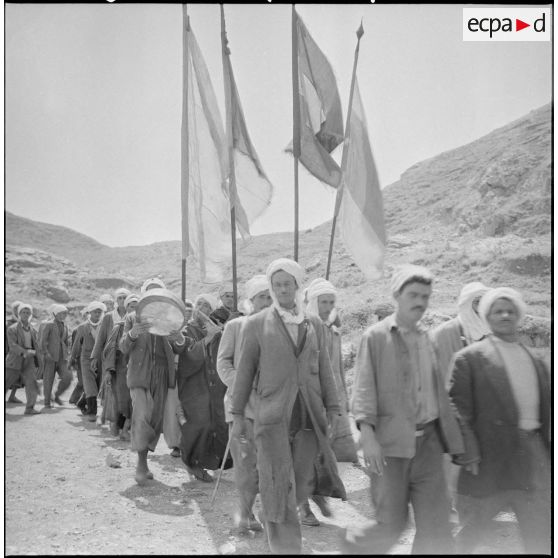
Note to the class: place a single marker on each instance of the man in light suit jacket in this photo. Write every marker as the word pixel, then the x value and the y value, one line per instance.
pixel 20 360
pixel 55 343
pixel 502 394
pixel 403 411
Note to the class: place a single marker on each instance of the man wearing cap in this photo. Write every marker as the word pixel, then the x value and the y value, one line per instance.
pixel 502 395
pixel 243 450
pixel 20 360
pixel 402 409
pixel 82 347
pixel 150 373
pixel 116 365
pixel 55 344
pixel 201 392
pixel 284 359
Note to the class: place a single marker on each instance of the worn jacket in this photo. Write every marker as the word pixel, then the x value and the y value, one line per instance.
pixel 227 362
pixel 16 345
pixel 52 343
pixel 140 356
pixel 482 395
pixel 383 396
pixel 282 372
pixel 83 344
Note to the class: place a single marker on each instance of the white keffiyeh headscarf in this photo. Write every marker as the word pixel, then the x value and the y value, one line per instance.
pixel 317 288
pixel 296 315
pixel 253 286
pixel 474 328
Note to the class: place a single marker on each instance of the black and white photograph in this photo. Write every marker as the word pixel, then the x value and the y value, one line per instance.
pixel 278 278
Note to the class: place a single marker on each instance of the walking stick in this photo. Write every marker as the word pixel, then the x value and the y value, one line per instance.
pixel 221 470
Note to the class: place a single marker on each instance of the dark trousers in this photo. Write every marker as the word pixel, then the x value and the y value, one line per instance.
pixel 531 507
pixel 65 375
pixel 420 481
pixel 286 537
pixel 29 380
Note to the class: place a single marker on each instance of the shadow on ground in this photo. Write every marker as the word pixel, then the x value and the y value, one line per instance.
pixel 156 497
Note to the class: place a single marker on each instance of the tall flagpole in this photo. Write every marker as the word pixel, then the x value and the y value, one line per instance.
pixel 296 125
pixel 339 196
pixel 184 149
pixel 229 94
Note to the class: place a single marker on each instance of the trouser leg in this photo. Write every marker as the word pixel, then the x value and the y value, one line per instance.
pixel 533 507
pixel 31 386
pixel 474 518
pixel 305 451
pixel 65 376
pixel 142 434
pixel 89 378
pixel 285 537
pixel 245 472
pixel 48 379
pixel 390 496
pixel 429 496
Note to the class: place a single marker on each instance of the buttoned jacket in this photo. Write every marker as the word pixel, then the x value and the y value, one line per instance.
pixel 482 395
pixel 52 342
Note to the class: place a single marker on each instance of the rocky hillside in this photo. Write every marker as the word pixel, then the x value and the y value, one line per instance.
pixel 479 212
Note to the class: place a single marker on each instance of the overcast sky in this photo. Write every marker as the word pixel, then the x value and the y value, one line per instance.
pixel 93 102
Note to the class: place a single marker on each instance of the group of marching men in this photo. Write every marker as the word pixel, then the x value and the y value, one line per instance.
pixel 272 381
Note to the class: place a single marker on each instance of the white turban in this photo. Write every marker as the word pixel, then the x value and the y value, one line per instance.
pixel 121 292
pixel 57 308
pixel 209 298
pixel 474 327
pixel 493 295
pixel 106 298
pixel 130 298
pixel 96 305
pixel 15 307
pixel 23 305
pixel 254 286
pixel 292 268
pixel 152 281
pixel 317 288
pixel 404 272
pixel 226 288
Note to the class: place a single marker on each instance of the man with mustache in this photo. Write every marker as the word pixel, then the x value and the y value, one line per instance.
pixel 503 396
pixel 403 412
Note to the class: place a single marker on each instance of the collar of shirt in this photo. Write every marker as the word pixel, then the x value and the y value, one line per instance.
pixel 392 324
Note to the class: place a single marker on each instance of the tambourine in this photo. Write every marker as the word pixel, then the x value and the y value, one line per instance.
pixel 163 310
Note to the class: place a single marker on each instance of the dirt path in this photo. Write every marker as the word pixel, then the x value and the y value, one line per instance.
pixel 62 497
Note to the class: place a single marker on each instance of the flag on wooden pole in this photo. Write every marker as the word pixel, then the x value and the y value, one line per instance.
pixel 206 226
pixel 249 188
pixel 361 214
pixel 321 120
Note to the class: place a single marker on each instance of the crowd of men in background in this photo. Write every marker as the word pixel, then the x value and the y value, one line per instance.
pixel 454 418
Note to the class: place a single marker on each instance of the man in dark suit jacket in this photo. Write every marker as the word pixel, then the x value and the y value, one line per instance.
pixel 20 360
pixel 502 395
pixel 55 347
